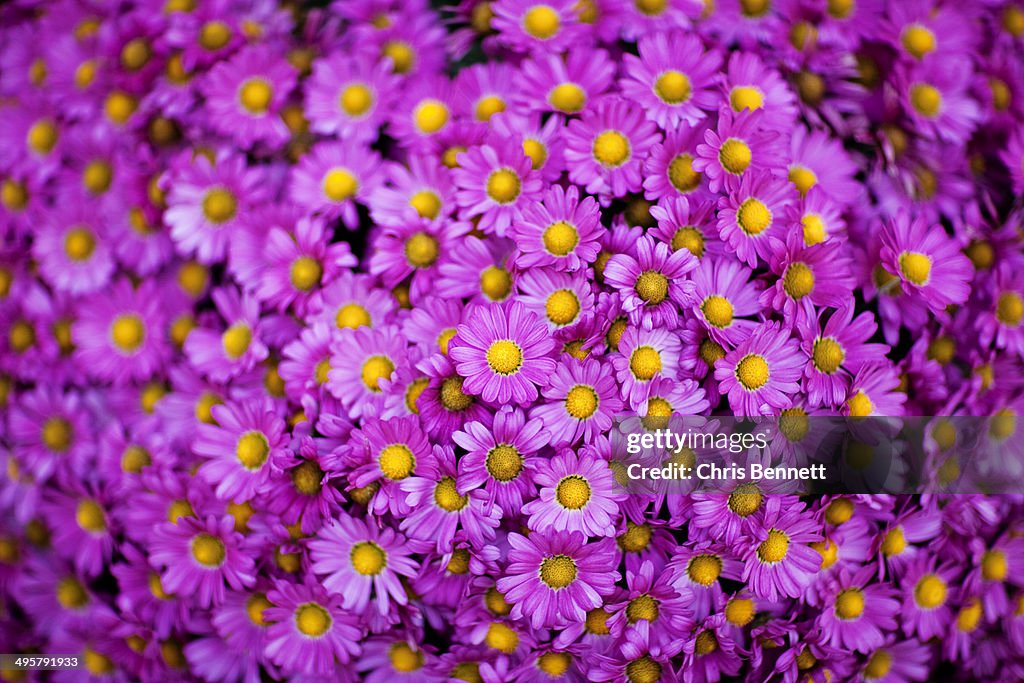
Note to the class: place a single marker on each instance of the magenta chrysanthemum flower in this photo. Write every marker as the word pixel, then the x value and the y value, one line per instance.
pixel 1001 324
pixel 494 182
pixel 555 578
pixel 347 96
pixel 576 494
pixel 926 588
pixel 333 177
pixel 653 285
pixel 383 453
pixel 503 352
pixel 779 560
pixel 561 231
pixel 753 214
pixel 741 146
pixel 644 355
pixel 856 616
pixel 221 355
pixel 361 360
pixel 837 351
pixel 927 262
pixel 724 298
pixel 810 278
pixel 582 401
pixel 565 84
pixel 762 372
pixel 531 26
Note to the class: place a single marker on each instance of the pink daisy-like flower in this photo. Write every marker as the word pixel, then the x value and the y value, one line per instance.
pixel 50 432
pixel 383 453
pixel 362 563
pixel 419 248
pixel 927 588
pixel 245 94
pixel 503 352
pixel 577 493
pixel 73 248
pixel 422 187
pixel 482 91
pixel 935 96
pixel 361 359
pixel 494 182
pixel 779 561
pixel 240 448
pixel 762 373
pixel 478 270
pixel 541 140
pixel 856 615
pixel 686 224
pixel 819 217
pixel 739 147
pixel 672 78
pixel 644 355
pixel 348 95
pixel 444 404
pixel 752 213
pixel 809 278
pixel 1001 323
pixel 607 146
pixel 555 578
pixel 561 231
pixel 562 299
pixel 751 86
pixel 835 352
pixel 198 557
pixel 425 116
pixel 536 25
pixel 89 541
pixel 669 170
pixel 652 612
pixel 238 348
pixel 652 286
pixel 723 299
pixel 581 401
pixel 333 177
pixel 818 160
pixel 566 84
pixel 874 391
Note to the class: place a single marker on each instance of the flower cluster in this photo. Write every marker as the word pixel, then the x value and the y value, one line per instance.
pixel 314 322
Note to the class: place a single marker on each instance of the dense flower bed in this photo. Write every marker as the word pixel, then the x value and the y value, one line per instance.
pixel 314 320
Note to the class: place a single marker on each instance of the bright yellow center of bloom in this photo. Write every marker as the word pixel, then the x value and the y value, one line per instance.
pixel 994 566
pixel 560 238
pixel 798 280
pixel 581 402
pixel 42 136
pixel 803 178
pixel 915 267
pixel 615 332
pixel 127 332
pixel 636 538
pixel 735 156
pixel 944 433
pixel 396 461
pixel 444 338
pixel 352 316
pixel 504 462
pixel 981 253
pixel 255 606
pixel 356 99
pixel 860 405
pixel 459 562
pixel 642 608
pixel 673 87
pixel 537 152
pixel 645 363
pixel 573 492
pixel 14 196
pixel 942 349
pixel 927 99
pixel 374 370
pixel 312 620
pixel 426 203
pixel 567 98
pixel 179 508
pixel 774 548
pixel 691 239
pixel 305 273
pixel 97 176
pixel 930 592
pixel 704 569
pixel 367 558
pixel 255 95
pixel 894 542
pixel 611 148
pixel 501 638
pixel 405 659
pixel 219 206
pixel 446 495
pixel 495 283
pixel 740 611
pixel 71 594
pixel 486 107
pixel 717 311
pixel 659 411
pixel 681 173
pixel 481 16
pixel 57 434
pixel 208 550
pixel 1013 21
pixel 192 278
pixel 752 371
pixel 505 357
pixel 421 250
pixel 850 604
pixel 1010 309
pixel 814 229
pixel 252 450
pixel 89 516
pixel 554 664
pixel 753 216
pixel 236 340
pixel 306 478
pixel 134 459
pixel 22 336
pixel 652 287
pixel 597 622
pixel 706 643
pixel 918 40
pixel 431 116
pixel 503 186
pixel 755 8
pixel 79 244
pixel 1003 425
pixel 828 355
pixel 970 616
pixel 453 398
pixel 839 511
pixel 339 185
pixel 746 97
pixel 120 106
pixel 878 666
pixel 562 307
pixel 214 35
pixel 401 55
pixel 558 571
pixel 541 22
pixel 644 669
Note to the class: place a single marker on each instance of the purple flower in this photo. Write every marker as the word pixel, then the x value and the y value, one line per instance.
pixel 762 371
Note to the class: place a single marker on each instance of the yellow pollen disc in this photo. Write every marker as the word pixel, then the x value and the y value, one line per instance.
pixel 673 87
pixel 466 671
pixel 180 329
pixel 127 332
pixel 495 283
pixel 444 338
pixel 752 371
pixel 430 116
pixel 706 643
pixel 704 570
pixel 71 594
pixel 615 332
pixel 450 157
pixel 401 55
pixel 611 148
pixel 829 551
pixel 944 433
pixel 136 54
pixel 79 244
pixel 560 238
pixel 644 669
pixel 57 434
pixel 774 548
pixel 735 156
pixel 537 152
pixel 120 106
pixel 305 273
pixel 636 538
pixel 254 608
pixel 306 478
pixel 503 186
pixel 554 664
pixel 930 592
pixel 828 355
pixel 811 87
pixel 692 240
pixel 501 638
pixel 754 9
pixel 192 278
pixel 352 316
pixel 805 660
pixel 717 311
pixel 486 107
pixel 942 349
pixel 236 340
pixel 753 216
pixel 1010 309
pixel 255 95
pixel 803 35
pixel 96 663
pixel 356 100
pixel 89 516
pixel 562 307
pixel 22 336
pixel 1003 425
pixel 421 250
pixel 340 185
pixel 915 267
pixel 814 229
pixel 918 40
pixel 459 562
pixel 642 608
pixel 970 616
pixel 134 459
pixel 38 72
pixel 681 173
pixel 652 287
pixel 541 22
pixel 740 611
pixel 650 8
pixel 894 542
pixel 1013 21
pixel 850 604
pixel 426 203
pixel 367 558
pixel 179 508
pixel 981 253
pixel 573 492
pixel 558 571
pixel 1002 96
pixel 803 178
pixel 839 511
pixel 374 370
pixel 252 450
pixel 994 566
pixel 405 659
pixel 658 412
pixel 219 206
pixel 453 398
pixel 841 9
pixel 798 280
pixel 504 462
pixel 42 136
pixel 567 98
pixel 860 405
pixel 746 97
pixel 97 176
pixel 505 357
pixel 447 497
pixel 312 620
pixel 645 363
pixel 208 550
pixel 481 16
pixel 214 35
pixel 396 461
pixel 581 402
pixel 496 603
pixel 14 196
pixel 927 99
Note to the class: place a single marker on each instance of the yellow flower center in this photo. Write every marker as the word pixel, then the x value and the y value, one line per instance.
pixel 127 332
pixel 644 669
pixel 650 8
pixel 505 357
pixel 339 185
pixel 652 287
pixel 79 244
pixel 814 229
pixel 192 278
pixel 214 35
pixel 774 548
pixel 431 116
pixel 1013 20
pixel 1010 309
pixel 367 558
pixel 735 156
pixel 537 152
pixel 746 97
pixel 252 450
pixel 994 566
pixel 14 196
pixel 930 592
pixel 803 178
pixel 878 666
pixel 894 542
pixel 562 307
pixel 219 206
pixel 134 459
pixel 754 9
pixel 597 622
pixel 42 136
pixel 798 280
pixel 541 22
pixel 501 638
pixel 396 461
pixel 305 273
pixel 704 570
pixel 717 311
pixel 611 148
pixel 178 509
pixel 753 216
pixel 918 40
pixel 850 604
pixel 970 616
pixel 57 434
pixel 453 398
pixel 1003 425
pixel 208 550
pixel 581 402
pixel 120 106
pixel 444 338
pixel 255 95
pixel 659 411
pixel 839 511
pixel 673 87
pixel 89 516
pixel 645 363
pixel 504 462
pixel 828 355
pixel 421 250
pixel 254 608
pixel 236 340
pixel 71 594
pixel 459 563
pixel 642 608
pixel 636 538
pixel 567 98
pixel 97 176
pixel 374 370
pixel 312 620
pixel 573 492
pixel 927 99
pixel 447 497
pixel 503 186
pixel 401 55
pixel 481 16
pixel 352 316
pixel 752 371
pixel 558 571
pixel 426 203
pixel 860 405
pixel 356 99
pixel 560 238
pixel 681 173
pixel 495 283
pixel 740 611
pixel 554 664
pixel 405 659
pixel 488 106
